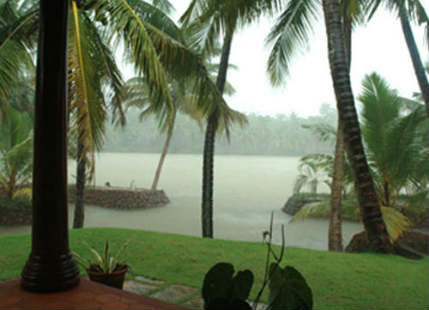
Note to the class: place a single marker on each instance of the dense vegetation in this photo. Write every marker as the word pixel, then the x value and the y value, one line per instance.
pixel 338 281
pixel 282 135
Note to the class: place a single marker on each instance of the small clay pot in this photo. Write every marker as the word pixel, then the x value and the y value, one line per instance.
pixel 114 279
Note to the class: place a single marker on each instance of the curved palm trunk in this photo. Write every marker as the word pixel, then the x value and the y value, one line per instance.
pixel 378 239
pixel 79 211
pixel 209 145
pixel 415 56
pixel 11 186
pixel 335 239
pixel 164 150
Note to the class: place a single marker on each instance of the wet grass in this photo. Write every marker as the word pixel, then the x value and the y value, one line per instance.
pixel 338 281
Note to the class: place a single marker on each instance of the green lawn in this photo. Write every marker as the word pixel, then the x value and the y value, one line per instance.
pixel 338 281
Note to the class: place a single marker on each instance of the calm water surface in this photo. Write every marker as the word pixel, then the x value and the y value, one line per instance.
pixel 247 190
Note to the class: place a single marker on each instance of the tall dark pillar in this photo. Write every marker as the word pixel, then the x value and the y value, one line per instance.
pixel 50 266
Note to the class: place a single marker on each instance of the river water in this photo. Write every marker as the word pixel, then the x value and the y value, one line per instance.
pixel 247 190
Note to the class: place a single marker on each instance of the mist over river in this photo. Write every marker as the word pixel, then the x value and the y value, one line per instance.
pixel 247 189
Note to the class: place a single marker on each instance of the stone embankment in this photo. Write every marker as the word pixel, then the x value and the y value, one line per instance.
pixel 21 215
pixel 107 197
pixel 121 198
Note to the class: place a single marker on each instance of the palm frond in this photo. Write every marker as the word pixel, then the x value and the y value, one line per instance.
pixel 380 107
pixel 326 132
pixel 290 34
pixel 164 5
pixel 93 79
pixel 396 222
pixel 206 21
pixel 15 47
pixel 127 23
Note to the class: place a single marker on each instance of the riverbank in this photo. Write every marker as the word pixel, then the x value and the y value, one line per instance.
pixel 338 281
pixel 18 212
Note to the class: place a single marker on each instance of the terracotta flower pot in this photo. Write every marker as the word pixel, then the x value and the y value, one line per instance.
pixel 114 279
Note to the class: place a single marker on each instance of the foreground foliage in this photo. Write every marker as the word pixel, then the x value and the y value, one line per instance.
pixel 338 281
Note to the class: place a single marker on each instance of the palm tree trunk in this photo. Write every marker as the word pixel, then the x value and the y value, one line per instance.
pixel 209 145
pixel 164 150
pixel 378 239
pixel 335 238
pixel 12 186
pixel 415 56
pixel 79 211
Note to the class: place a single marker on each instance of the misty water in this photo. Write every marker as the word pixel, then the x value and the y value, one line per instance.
pixel 247 190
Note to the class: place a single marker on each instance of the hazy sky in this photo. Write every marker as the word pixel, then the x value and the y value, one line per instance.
pixel 378 46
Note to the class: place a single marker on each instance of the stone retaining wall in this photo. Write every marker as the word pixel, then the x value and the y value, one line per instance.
pixel 121 198
pixel 15 215
pixel 108 197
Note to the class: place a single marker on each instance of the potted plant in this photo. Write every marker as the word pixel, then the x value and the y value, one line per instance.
pixel 106 268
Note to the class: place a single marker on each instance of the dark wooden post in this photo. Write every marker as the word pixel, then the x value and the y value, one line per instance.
pixel 50 266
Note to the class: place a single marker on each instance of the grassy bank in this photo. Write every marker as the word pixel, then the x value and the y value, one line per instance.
pixel 338 281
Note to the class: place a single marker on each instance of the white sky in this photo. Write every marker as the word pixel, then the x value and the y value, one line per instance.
pixel 378 46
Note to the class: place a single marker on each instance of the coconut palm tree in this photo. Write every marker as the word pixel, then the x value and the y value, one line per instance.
pixel 378 239
pixel 291 33
pixel 394 131
pixel 151 42
pixel 92 71
pixel 209 20
pixel 394 139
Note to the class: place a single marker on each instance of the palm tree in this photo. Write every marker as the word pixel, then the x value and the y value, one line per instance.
pixel 209 20
pixel 394 131
pixel 378 239
pixel 312 172
pixel 152 43
pixel 405 9
pixel 394 139
pixel 92 70
pixel 290 33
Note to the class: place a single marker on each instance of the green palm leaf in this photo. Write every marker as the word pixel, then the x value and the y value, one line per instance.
pixel 15 46
pixel 290 33
pixel 127 23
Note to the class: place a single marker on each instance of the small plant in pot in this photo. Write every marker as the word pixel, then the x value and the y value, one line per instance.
pixel 106 268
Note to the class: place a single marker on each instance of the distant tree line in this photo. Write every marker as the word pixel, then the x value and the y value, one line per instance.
pixel 263 135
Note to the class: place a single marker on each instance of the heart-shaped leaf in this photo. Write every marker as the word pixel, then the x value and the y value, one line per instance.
pixel 242 284
pixel 288 289
pixel 217 283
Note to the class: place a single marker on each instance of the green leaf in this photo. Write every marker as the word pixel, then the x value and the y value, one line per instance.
pixel 288 289
pixel 218 282
pixel 242 284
